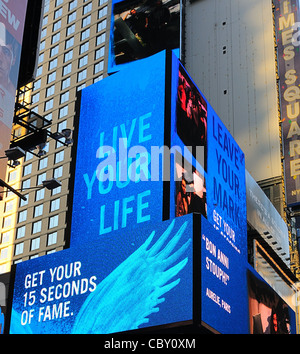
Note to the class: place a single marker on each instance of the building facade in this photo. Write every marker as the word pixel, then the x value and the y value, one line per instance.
pixel 72 55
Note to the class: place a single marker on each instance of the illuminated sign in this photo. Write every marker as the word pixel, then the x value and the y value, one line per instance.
pixel 12 18
pixel 223 283
pixel 123 282
pixel 144 156
pixel 115 185
pixel 268 312
pixel 215 184
pixel 140 29
pixel 286 17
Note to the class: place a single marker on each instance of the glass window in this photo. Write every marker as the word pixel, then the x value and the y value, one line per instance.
pixel 38 210
pixel 98 67
pixel 6 237
pixel 43 163
pixel 67 69
pixel 22 216
pixel 26 183
pixel 39 194
pixel 21 232
pixel 81 75
pixel 55 204
pixel 37 227
pixel 27 169
pixel 63 112
pixel 19 248
pixel 72 17
pixel 53 64
pixel 68 55
pixel 52 239
pixel 83 61
pixel 53 221
pixel 85 34
pixel 84 48
pixel 41 178
pixel 65 83
pixel 69 43
pixel 50 91
pixel 56 25
pixel 48 105
pixel 101 25
pixel 35 243
pixel 71 29
pixel 7 221
pixel 86 21
pixel 51 77
pixel 87 8
pixel 54 51
pixel 72 5
pixel 57 13
pixel 4 253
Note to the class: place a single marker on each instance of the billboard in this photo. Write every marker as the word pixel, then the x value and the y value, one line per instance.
pixel 141 28
pixel 223 283
pixel 123 282
pixel 268 312
pixel 12 18
pixel 287 34
pixel 138 255
pixel 115 185
pixel 213 168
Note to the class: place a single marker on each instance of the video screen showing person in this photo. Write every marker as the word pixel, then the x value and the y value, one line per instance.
pixel 190 190
pixel 191 115
pixel 143 28
pixel 269 314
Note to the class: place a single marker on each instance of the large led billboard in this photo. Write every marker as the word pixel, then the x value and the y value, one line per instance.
pixel 268 312
pixel 141 28
pixel 123 282
pixel 12 18
pixel 211 174
pixel 121 121
pixel 287 18
pixel 223 283
pixel 138 255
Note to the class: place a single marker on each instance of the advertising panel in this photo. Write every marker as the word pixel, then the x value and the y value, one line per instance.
pixel 141 28
pixel 287 25
pixel 268 312
pixel 12 18
pixel 129 280
pixel 121 121
pixel 223 283
pixel 213 167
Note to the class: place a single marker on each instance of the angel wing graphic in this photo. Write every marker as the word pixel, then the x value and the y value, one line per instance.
pixel 133 291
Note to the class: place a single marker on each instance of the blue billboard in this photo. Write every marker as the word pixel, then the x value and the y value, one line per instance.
pixel 124 282
pixel 150 153
pixel 224 302
pixel 121 118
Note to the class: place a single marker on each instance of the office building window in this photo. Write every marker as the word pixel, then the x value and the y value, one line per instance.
pixel 72 17
pixel 19 248
pixel 52 239
pixel 48 105
pixel 101 25
pixel 21 232
pixel 7 221
pixel 27 169
pixel 35 244
pixel 100 39
pixel 37 227
pixel 4 253
pixel 58 172
pixel 98 67
pixel 6 237
pixel 56 25
pixel 72 5
pixel 50 91
pixel 68 55
pixel 86 21
pixel 26 184
pixel 81 75
pixel 83 61
pixel 22 216
pixel 54 51
pixel 85 34
pixel 52 64
pixel 70 29
pixel 69 43
pixel 67 69
pixel 53 221
pixel 63 112
pixel 84 48
pixel 38 210
pixel 51 77
pixel 39 195
pixel 64 97
pixel 55 204
pixel 57 13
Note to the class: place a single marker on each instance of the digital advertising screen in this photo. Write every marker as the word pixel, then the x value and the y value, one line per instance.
pixel 118 181
pixel 268 312
pixel 141 28
pixel 224 305
pixel 126 281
